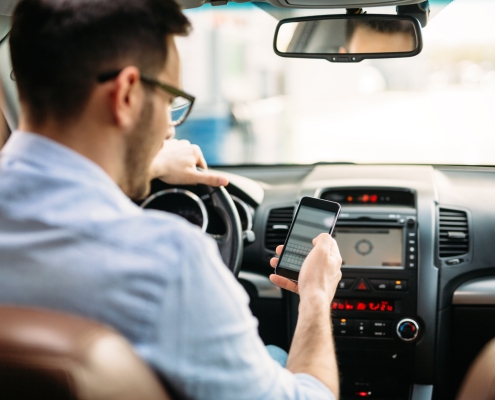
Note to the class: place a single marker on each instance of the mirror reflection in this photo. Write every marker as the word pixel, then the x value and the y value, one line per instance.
pixel 347 35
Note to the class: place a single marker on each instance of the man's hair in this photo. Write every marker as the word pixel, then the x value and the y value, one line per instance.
pixel 377 25
pixel 59 47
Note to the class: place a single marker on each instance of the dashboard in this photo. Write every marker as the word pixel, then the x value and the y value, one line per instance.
pixel 417 296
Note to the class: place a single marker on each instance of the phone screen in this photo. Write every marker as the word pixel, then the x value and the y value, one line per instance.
pixel 309 223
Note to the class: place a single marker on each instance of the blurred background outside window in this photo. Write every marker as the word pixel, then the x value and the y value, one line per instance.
pixel 254 107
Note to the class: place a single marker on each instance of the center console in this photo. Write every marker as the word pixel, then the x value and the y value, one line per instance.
pixel 374 311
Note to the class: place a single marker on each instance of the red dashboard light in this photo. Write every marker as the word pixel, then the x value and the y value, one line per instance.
pixel 359 305
pixel 373 198
pixel 363 394
pixel 366 198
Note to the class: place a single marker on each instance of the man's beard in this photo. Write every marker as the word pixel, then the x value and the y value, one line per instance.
pixel 139 155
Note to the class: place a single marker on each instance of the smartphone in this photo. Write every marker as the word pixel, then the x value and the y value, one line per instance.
pixel 313 216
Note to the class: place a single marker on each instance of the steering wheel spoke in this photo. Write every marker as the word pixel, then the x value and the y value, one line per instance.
pixel 230 244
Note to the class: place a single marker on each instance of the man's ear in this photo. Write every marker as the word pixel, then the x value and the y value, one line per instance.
pixel 127 98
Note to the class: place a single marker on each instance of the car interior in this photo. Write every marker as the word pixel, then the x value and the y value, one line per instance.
pixel 402 137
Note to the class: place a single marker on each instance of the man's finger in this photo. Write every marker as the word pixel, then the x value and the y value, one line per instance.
pixel 279 249
pixel 207 178
pixel 284 283
pixel 200 159
pixel 274 262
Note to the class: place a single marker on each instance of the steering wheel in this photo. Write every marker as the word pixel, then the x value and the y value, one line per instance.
pixel 230 244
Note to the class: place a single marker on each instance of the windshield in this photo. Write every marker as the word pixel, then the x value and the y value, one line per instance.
pixel 254 107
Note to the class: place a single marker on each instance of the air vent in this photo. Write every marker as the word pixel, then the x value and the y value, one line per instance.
pixel 278 226
pixel 454 233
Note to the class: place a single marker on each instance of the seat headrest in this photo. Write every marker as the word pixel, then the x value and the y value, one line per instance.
pixel 52 355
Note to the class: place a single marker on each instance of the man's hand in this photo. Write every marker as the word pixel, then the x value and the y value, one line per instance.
pixel 312 350
pixel 320 272
pixel 176 164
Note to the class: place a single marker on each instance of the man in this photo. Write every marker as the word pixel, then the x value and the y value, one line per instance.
pixel 379 36
pixel 96 79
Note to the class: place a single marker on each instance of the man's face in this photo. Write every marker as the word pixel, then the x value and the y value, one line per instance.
pixel 365 40
pixel 153 127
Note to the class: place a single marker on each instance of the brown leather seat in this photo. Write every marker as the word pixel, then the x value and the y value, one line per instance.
pixel 479 383
pixel 51 355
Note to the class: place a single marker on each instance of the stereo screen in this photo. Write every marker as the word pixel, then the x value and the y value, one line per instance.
pixel 370 247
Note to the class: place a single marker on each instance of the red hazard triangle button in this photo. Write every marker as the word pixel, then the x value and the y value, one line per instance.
pixel 362 286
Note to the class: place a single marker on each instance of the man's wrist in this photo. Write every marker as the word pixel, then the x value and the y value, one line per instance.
pixel 315 303
pixel 155 173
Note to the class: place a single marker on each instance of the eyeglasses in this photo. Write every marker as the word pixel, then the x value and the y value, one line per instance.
pixel 181 104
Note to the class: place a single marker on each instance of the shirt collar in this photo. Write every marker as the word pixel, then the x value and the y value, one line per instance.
pixel 57 160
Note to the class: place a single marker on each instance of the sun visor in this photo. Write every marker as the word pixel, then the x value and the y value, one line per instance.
pixel 7 7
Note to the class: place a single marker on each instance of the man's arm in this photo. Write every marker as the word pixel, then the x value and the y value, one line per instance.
pixel 177 161
pixel 206 342
pixel 312 350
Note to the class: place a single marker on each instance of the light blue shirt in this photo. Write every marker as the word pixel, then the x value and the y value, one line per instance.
pixel 71 240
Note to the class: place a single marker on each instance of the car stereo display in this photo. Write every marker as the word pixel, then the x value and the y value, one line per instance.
pixel 363 305
pixel 370 247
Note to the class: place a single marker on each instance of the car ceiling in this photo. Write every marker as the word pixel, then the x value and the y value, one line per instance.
pixel 7 6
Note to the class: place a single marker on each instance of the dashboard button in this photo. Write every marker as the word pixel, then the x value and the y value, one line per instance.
pixel 399 285
pixel 346 283
pixel 381 284
pixel 380 328
pixel 361 327
pixel 362 286
pixel 380 324
pixel 343 326
pixel 407 330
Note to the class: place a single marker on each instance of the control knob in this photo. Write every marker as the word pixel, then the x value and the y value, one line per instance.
pixel 408 330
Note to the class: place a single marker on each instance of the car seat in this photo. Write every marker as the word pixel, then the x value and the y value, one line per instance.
pixel 479 383
pixel 52 355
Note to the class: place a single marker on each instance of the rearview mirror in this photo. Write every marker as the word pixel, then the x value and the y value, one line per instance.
pixel 348 38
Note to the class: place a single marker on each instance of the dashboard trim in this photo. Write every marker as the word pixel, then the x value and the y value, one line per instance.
pixel 475 292
pixel 422 392
pixel 247 210
pixel 265 288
